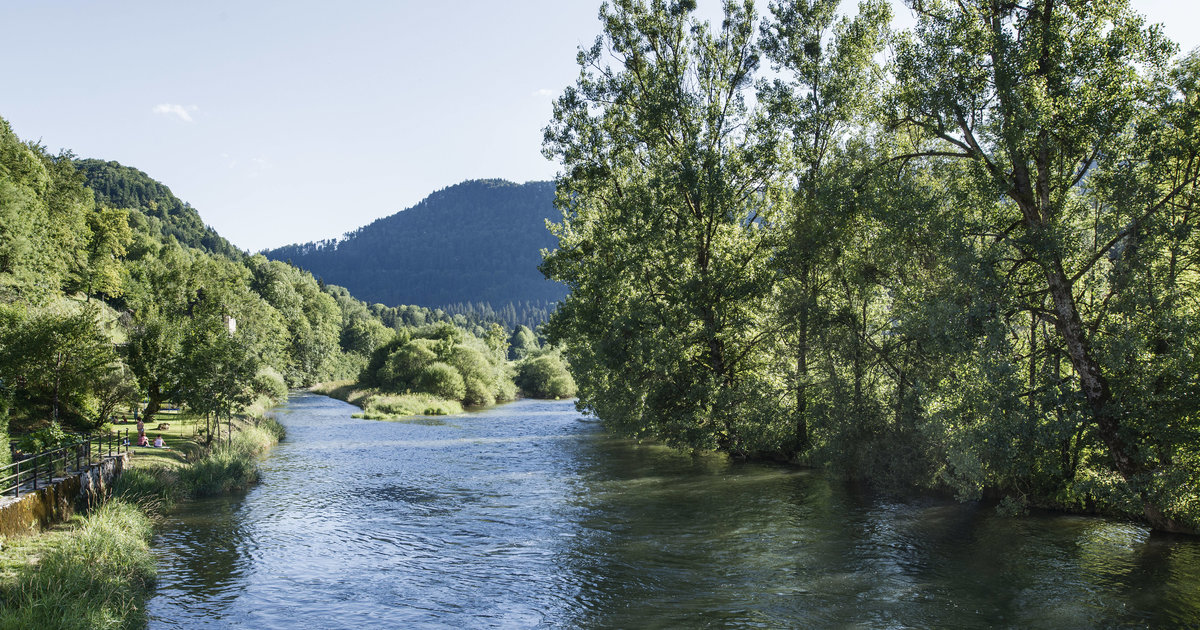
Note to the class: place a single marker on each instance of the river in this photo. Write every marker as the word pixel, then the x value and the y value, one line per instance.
pixel 527 515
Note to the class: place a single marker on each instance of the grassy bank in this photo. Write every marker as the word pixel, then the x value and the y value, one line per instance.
pixel 377 405
pixel 93 572
pixel 96 571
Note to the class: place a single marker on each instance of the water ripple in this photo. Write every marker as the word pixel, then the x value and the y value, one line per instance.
pixel 526 516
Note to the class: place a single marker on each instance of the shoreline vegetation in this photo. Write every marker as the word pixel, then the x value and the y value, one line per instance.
pixel 961 256
pixel 378 405
pixel 97 570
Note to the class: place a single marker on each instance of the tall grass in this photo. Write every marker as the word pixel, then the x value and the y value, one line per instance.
pixel 388 406
pixel 99 575
pixel 96 577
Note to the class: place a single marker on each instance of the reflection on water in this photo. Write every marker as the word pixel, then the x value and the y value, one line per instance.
pixel 527 516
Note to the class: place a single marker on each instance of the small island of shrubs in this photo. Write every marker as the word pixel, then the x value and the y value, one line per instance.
pixel 440 369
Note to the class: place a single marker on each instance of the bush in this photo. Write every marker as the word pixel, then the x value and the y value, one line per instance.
pixel 545 376
pixel 404 365
pixel 442 380
pixel 440 360
pixel 478 394
pixel 45 438
pixel 268 382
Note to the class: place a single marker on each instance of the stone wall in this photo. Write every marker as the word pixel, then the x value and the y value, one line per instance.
pixel 61 500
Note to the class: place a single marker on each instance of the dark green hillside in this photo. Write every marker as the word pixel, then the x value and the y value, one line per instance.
pixel 120 186
pixel 475 242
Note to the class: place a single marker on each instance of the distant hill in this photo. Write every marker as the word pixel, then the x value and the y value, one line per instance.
pixel 474 243
pixel 121 186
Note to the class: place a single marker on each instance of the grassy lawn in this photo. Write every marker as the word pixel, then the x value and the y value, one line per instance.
pixel 182 438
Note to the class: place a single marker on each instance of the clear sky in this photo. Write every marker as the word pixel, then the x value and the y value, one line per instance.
pixel 292 121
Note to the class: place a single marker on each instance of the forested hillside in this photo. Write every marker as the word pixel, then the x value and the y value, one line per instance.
pixel 118 186
pixel 975 268
pixel 472 247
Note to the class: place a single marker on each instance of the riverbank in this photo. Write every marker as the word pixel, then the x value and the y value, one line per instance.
pixel 378 405
pixel 97 571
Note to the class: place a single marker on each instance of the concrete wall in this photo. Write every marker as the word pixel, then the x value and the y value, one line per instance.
pixel 58 502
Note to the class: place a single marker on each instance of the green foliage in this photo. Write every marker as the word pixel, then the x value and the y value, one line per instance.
pixel 975 272
pixel 390 407
pixel 110 236
pixel 270 383
pixel 545 376
pixel 217 371
pixel 58 360
pixel 441 380
pixel 522 343
pixel 444 361
pixel 669 187
pixel 160 213
pixel 45 438
pixel 43 221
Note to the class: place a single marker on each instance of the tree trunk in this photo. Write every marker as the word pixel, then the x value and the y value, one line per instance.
pixel 802 372
pixel 1096 390
pixel 154 402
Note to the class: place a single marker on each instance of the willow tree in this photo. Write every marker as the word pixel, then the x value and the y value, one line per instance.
pixel 1040 98
pixel 668 194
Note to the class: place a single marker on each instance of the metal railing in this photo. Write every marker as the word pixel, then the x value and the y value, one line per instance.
pixel 30 472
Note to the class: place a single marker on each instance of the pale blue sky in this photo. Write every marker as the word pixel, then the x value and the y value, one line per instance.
pixel 293 121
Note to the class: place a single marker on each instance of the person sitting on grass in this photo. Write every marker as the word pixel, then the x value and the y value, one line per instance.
pixel 158 442
pixel 142 441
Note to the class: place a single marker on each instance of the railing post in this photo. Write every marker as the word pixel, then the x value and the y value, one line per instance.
pixel 35 472
pixel 17 481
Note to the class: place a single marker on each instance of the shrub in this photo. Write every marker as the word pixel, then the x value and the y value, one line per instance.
pixel 404 366
pixel 478 394
pixel 269 382
pixel 440 379
pixel 45 438
pixel 545 376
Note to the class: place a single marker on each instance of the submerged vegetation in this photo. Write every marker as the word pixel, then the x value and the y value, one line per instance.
pixel 970 264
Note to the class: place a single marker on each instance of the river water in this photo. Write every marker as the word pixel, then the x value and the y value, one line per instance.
pixel 527 515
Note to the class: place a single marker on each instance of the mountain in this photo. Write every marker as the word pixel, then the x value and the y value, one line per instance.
pixel 474 242
pixel 120 186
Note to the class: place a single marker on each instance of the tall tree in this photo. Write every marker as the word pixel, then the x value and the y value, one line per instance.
pixel 53 359
pixel 668 192
pixel 1036 96
pixel 110 236
pixel 828 79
